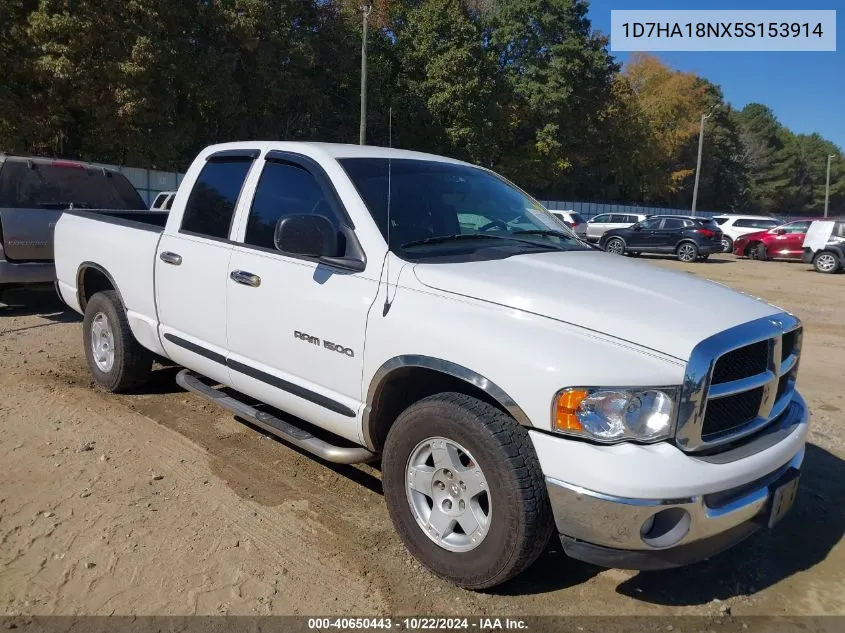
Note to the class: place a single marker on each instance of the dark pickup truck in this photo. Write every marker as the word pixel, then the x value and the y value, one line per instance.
pixel 33 194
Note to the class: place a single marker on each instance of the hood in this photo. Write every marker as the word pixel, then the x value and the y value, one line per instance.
pixel 635 301
pixel 752 236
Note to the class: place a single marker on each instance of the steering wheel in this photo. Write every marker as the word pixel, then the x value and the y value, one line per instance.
pixel 492 224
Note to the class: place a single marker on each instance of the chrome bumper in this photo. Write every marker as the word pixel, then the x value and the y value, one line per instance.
pixel 655 533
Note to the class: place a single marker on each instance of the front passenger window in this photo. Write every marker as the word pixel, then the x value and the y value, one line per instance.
pixel 284 189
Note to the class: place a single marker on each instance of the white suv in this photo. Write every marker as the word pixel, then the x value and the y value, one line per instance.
pixel 573 220
pixel 606 221
pixel 163 201
pixel 734 226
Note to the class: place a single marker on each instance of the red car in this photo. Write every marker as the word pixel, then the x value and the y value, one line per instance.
pixel 782 242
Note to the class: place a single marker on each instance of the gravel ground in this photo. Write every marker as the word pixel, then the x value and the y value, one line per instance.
pixel 161 503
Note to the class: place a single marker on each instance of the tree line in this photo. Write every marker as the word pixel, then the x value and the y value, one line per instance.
pixel 525 87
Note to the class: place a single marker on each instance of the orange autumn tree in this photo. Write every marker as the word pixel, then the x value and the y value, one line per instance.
pixel 669 103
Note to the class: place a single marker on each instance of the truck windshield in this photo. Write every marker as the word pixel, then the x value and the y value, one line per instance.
pixel 61 185
pixel 436 207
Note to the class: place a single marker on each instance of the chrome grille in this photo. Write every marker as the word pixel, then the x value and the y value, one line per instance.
pixel 740 363
pixel 738 381
pixel 725 414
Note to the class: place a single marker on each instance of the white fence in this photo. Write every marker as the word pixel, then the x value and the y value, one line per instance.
pixel 589 210
pixel 148 182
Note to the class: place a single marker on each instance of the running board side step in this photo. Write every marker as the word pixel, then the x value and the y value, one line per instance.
pixel 286 431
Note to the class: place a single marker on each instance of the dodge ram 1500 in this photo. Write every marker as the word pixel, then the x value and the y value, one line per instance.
pixel 514 382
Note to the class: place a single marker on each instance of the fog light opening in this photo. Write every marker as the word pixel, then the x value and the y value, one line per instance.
pixel 665 528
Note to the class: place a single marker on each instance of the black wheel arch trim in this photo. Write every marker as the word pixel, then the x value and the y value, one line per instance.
pixel 446 367
pixel 80 273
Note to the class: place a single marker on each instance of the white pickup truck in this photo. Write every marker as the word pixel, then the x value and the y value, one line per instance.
pixel 514 381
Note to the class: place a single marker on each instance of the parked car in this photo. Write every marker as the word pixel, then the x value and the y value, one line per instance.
pixel 163 201
pixel 606 221
pixel 828 254
pixel 781 242
pixel 515 382
pixel 734 226
pixel 573 220
pixel 689 238
pixel 33 194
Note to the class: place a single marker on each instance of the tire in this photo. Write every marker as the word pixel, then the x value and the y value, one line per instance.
pixel 826 262
pixel 727 244
pixel 761 252
pixel 687 252
pixel 615 246
pixel 119 363
pixel 515 525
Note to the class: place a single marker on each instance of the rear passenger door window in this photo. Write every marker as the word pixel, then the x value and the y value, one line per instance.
pixel 211 204
pixel 192 266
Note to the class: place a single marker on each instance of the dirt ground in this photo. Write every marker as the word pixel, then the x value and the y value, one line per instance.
pixel 161 503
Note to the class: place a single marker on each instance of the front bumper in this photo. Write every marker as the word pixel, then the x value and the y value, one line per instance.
pixel 612 531
pixel 26 273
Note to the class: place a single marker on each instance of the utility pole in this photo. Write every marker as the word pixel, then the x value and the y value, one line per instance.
pixel 704 117
pixel 366 8
pixel 827 186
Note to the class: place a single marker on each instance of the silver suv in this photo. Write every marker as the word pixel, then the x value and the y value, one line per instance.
pixel 606 221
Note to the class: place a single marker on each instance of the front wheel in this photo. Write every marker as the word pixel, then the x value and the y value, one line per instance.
pixel 615 246
pixel 687 252
pixel 116 360
pixel 761 252
pixel 825 262
pixel 465 491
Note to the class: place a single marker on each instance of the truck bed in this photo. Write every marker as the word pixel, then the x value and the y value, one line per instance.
pixel 123 245
pixel 142 219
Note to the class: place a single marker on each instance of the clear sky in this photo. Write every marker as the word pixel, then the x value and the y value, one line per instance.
pixel 805 90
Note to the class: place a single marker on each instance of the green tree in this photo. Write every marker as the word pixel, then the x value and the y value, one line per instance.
pixel 16 81
pixel 557 76
pixel 446 97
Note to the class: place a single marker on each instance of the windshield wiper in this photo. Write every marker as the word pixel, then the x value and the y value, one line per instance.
pixel 546 232
pixel 439 239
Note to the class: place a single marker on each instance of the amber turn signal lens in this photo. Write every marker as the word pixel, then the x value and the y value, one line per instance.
pixel 567 404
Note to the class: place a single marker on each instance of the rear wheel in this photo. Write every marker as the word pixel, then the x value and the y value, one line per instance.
pixel 687 252
pixel 825 262
pixel 761 252
pixel 465 491
pixel 615 245
pixel 117 361
pixel 727 244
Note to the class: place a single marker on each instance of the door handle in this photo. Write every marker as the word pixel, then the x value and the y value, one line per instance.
pixel 245 278
pixel 170 258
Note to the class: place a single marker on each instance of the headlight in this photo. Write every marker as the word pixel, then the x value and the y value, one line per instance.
pixel 612 415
